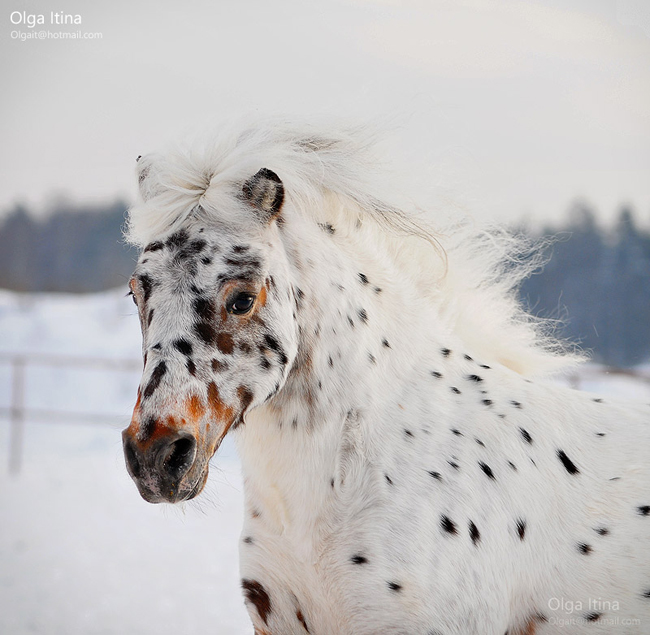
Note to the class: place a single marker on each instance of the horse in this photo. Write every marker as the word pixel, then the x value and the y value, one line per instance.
pixel 409 465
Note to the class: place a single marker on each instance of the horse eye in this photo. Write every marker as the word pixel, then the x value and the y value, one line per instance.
pixel 241 304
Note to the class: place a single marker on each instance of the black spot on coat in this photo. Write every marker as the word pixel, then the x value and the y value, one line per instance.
pixel 448 525
pixel 526 435
pixel 487 470
pixel 521 529
pixel 155 379
pixel 155 246
pixel 206 332
pixel 474 533
pixel 274 345
pixel 568 464
pixel 183 346
pixel 204 309
pixel 147 285
pixel 326 227
pixel 593 617
pixel 178 239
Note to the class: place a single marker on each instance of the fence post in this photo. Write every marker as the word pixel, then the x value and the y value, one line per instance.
pixel 17 415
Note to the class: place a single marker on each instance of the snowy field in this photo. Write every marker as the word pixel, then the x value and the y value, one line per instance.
pixel 80 552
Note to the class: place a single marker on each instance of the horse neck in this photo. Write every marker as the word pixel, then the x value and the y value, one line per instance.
pixel 360 331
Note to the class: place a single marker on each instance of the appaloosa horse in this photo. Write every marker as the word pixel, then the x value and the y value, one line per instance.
pixel 407 468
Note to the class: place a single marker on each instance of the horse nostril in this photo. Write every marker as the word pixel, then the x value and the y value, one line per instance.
pixel 132 463
pixel 178 457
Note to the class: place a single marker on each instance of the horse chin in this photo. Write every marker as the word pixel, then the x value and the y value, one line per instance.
pixel 199 485
pixel 184 491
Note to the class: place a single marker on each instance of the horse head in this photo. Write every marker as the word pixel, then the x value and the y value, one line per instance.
pixel 217 333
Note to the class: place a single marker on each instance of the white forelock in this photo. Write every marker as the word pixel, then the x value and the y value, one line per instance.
pixel 335 174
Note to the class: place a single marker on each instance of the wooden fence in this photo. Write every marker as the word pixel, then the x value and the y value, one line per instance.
pixel 18 411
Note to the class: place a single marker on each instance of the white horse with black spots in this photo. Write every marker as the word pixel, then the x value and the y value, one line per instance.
pixel 407 468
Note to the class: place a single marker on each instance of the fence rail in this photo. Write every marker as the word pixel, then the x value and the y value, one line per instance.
pixel 591 372
pixel 18 411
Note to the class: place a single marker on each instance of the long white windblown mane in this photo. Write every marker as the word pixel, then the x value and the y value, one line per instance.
pixel 333 174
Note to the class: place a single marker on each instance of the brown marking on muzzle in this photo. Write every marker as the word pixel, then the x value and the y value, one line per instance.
pixel 145 433
pixel 159 430
pixel 195 407
pixel 219 410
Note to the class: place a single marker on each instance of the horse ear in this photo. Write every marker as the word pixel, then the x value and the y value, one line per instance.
pixel 265 192
pixel 148 182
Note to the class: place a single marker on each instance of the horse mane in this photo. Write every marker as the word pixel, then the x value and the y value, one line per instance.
pixel 333 174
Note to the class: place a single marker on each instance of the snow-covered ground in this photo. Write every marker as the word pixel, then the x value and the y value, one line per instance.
pixel 80 552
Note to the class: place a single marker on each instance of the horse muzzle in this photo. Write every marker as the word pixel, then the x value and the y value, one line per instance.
pixel 167 468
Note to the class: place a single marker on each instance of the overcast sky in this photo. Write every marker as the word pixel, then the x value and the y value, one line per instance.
pixel 519 107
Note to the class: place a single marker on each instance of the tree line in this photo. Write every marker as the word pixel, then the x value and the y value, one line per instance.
pixel 595 282
pixel 75 249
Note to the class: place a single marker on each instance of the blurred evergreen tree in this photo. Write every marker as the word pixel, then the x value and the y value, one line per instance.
pixel 74 249
pixel 598 284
